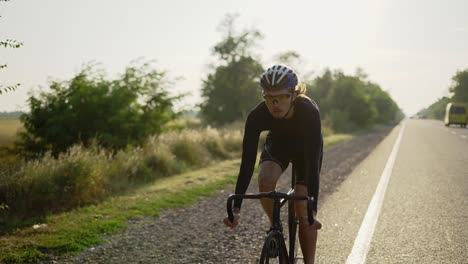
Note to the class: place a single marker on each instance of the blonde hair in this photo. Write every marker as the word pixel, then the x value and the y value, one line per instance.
pixel 300 88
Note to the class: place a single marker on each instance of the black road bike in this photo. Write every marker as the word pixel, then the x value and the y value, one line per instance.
pixel 274 248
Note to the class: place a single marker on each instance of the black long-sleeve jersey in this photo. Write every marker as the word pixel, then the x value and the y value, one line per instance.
pixel 301 134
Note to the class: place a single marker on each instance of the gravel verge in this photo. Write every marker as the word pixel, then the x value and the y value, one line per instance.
pixel 196 234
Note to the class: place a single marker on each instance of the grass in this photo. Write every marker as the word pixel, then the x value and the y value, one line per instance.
pixel 69 233
pixel 8 129
pixel 84 176
pixel 336 139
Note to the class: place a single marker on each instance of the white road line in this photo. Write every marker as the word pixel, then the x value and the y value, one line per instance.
pixel 462 136
pixel 453 132
pixel 366 231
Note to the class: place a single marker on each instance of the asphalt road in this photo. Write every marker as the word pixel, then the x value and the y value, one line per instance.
pixel 424 214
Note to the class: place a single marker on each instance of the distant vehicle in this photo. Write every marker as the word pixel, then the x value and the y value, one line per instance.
pixel 455 113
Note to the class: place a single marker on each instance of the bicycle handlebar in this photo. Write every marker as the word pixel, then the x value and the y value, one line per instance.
pixel 271 195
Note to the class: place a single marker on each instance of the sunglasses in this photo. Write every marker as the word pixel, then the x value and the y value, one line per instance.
pixel 280 98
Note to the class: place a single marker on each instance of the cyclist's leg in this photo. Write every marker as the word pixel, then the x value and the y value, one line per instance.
pixel 272 165
pixel 307 236
pixel 268 175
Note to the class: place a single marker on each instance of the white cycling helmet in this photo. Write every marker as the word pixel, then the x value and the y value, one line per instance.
pixel 278 76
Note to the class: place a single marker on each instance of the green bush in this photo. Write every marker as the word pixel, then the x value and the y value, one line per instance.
pixel 340 121
pixel 89 107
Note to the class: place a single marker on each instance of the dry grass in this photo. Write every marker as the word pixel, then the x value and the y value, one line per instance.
pixel 70 232
pixel 83 176
pixel 335 139
pixel 8 129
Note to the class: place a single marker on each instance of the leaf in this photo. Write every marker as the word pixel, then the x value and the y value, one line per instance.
pixel 11 43
pixel 4 89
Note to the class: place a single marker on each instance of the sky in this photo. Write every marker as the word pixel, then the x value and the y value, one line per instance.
pixel 411 48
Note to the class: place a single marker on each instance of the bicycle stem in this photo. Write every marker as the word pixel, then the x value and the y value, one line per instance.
pixel 276 214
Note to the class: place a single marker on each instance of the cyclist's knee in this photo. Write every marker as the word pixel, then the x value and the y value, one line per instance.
pixel 301 210
pixel 268 176
pixel 266 183
pixel 301 206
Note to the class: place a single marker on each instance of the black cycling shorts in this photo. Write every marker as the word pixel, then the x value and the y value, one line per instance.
pixel 282 155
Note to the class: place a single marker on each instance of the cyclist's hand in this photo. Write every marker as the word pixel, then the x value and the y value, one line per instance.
pixel 235 222
pixel 316 225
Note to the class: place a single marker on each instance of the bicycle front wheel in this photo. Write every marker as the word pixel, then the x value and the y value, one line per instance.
pixel 274 249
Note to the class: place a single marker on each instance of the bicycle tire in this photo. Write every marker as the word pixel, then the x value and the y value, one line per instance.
pixel 282 257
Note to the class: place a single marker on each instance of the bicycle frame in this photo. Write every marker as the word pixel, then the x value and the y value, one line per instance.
pixel 279 199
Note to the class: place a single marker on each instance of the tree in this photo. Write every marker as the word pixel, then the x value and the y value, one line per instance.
pixel 435 110
pixel 460 86
pixel 232 89
pixel 289 58
pixel 347 95
pixel 459 89
pixel 9 43
pixel 352 102
pixel 88 108
pixel 294 60
pixel 387 109
pixel 320 87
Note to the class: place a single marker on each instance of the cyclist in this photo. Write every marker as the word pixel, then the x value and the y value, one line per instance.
pixel 293 122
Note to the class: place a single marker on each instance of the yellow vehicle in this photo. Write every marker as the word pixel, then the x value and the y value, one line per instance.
pixel 455 114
